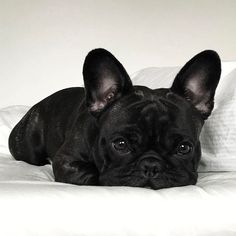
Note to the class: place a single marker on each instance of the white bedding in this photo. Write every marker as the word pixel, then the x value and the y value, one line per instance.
pixel 31 203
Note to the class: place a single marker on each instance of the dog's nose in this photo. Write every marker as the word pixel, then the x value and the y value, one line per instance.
pixel 150 167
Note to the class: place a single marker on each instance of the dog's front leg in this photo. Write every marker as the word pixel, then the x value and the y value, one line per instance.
pixel 69 170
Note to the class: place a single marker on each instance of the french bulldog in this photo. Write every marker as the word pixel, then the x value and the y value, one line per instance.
pixel 112 133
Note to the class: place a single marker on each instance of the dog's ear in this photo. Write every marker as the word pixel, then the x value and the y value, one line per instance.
pixel 105 80
pixel 198 79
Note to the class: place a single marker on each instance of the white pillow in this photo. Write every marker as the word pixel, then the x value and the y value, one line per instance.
pixel 218 137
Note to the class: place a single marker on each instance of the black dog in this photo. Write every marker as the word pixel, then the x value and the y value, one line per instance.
pixel 113 133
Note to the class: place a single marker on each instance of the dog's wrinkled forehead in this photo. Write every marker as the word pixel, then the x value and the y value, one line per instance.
pixel 151 109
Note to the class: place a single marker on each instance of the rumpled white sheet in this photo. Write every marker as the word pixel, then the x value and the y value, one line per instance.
pixel 32 204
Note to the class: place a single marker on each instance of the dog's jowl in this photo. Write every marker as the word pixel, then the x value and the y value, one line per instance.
pixel 116 134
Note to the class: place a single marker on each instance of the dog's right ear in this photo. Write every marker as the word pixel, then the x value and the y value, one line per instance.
pixel 197 81
pixel 105 80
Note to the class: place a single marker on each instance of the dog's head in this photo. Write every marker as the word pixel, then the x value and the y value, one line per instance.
pixel 149 138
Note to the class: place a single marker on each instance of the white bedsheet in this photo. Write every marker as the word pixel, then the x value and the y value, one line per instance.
pixel 32 204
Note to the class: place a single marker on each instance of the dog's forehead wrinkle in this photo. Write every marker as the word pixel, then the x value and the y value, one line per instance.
pixel 145 102
pixel 152 117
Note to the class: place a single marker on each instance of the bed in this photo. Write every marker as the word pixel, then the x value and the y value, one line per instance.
pixel 31 203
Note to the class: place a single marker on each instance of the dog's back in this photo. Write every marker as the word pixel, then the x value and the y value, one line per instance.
pixel 29 141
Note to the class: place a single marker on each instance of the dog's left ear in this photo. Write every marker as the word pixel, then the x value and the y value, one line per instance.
pixel 105 80
pixel 198 79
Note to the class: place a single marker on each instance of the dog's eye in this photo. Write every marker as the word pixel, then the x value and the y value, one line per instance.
pixel 110 96
pixel 120 145
pixel 184 148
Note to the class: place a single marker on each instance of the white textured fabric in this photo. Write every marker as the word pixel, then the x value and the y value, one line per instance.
pixel 218 137
pixel 31 204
